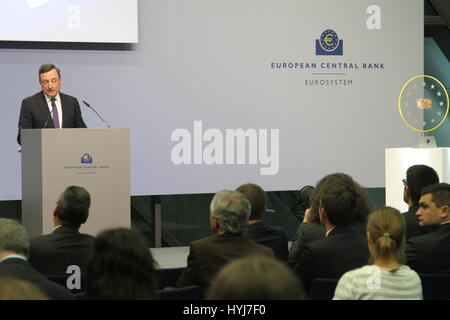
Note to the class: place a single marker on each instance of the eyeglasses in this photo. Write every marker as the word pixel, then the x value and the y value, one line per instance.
pixel 405 183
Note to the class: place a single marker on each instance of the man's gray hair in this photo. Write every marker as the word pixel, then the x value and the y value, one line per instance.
pixel 13 237
pixel 232 210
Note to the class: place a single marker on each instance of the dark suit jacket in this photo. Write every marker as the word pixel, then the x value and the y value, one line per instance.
pixel 430 252
pixel 306 232
pixel 34 112
pixel 54 252
pixel 21 269
pixel 208 255
pixel 344 249
pixel 413 229
pixel 269 236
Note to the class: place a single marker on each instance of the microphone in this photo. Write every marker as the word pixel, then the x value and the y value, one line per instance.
pixel 48 118
pixel 89 106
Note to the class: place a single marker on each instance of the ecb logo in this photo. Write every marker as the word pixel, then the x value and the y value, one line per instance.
pixel 86 158
pixel 329 44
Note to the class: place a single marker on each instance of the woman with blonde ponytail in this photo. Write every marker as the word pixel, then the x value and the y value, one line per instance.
pixel 386 277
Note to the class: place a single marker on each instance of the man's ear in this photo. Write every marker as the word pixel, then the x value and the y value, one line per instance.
pixel 406 194
pixel 55 211
pixel 323 215
pixel 445 210
pixel 214 224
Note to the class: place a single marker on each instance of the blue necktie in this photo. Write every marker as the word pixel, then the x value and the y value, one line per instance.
pixel 55 114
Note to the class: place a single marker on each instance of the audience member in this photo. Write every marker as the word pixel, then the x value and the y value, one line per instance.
pixel 259 232
pixel 13 260
pixel 121 267
pixel 15 289
pixel 386 278
pixel 342 206
pixel 417 177
pixel 229 214
pixel 311 229
pixel 430 252
pixel 65 246
pixel 255 278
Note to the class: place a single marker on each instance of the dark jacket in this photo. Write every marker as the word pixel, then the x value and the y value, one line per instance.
pixel 35 113
pixel 430 252
pixel 344 249
pixel 21 269
pixel 54 252
pixel 269 236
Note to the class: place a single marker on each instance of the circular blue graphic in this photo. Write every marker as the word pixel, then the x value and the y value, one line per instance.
pixel 329 40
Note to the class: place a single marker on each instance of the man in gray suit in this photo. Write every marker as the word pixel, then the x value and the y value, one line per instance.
pixel 49 108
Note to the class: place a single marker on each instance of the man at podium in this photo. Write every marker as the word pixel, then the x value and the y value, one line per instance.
pixel 50 108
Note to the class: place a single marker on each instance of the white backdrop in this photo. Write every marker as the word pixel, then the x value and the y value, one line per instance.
pixel 205 68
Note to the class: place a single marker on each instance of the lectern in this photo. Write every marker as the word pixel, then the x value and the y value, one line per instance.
pixel 96 159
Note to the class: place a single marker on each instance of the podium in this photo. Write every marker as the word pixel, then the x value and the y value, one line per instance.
pixel 398 160
pixel 96 159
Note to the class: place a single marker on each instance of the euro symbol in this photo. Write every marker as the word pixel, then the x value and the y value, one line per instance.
pixel 329 39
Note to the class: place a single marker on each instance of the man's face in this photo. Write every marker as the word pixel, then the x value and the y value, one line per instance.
pixel 429 213
pixel 50 83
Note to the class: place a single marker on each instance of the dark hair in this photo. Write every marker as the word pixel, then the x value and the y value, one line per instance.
pixel 73 205
pixel 339 202
pixel 255 278
pixel 257 197
pixel 121 267
pixel 418 177
pixel 440 193
pixel 48 67
pixel 387 228
pixel 357 199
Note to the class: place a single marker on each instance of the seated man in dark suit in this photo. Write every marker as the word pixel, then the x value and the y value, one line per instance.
pixel 13 260
pixel 417 177
pixel 344 248
pixel 65 246
pixel 257 231
pixel 431 252
pixel 229 215
pixel 49 108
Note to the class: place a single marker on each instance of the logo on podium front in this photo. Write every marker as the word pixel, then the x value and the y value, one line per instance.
pixel 86 158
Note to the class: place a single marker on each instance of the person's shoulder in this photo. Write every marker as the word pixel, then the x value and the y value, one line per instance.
pixel 68 98
pixel 34 97
pixel 87 236
pixel 422 239
pixel 40 240
pixel 204 241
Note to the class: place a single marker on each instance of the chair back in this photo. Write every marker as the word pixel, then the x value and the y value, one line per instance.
pixel 167 277
pixel 322 288
pixel 61 279
pixel 435 286
pixel 184 293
